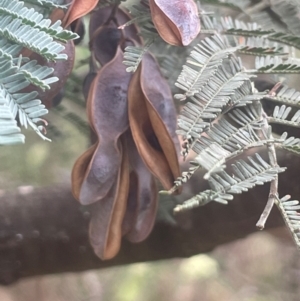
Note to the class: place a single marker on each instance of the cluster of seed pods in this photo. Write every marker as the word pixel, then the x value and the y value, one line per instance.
pixel 134 121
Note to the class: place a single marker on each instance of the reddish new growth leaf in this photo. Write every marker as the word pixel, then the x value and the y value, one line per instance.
pixel 176 21
pixel 78 9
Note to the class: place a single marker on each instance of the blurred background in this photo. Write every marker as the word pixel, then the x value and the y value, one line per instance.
pixel 262 267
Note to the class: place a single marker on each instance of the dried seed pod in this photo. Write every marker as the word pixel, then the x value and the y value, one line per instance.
pixel 79 170
pixel 105 35
pixel 108 117
pixel 176 21
pixel 132 204
pixel 157 91
pixel 105 229
pixel 142 199
pixel 78 9
pixel 152 138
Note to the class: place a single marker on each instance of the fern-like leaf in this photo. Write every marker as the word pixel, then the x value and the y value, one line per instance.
pixel 288 11
pixel 235 27
pixel 47 3
pixel 208 103
pixel 17 10
pixel 9 131
pixel 245 176
pixel 259 46
pixel 276 65
pixel 286 95
pixel 290 144
pixel 203 62
pixel 212 158
pixel 25 105
pixel 280 115
pixel 231 137
pixel 133 55
pixel 31 38
pixel 289 210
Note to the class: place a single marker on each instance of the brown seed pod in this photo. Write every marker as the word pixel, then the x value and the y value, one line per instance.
pixel 105 35
pixel 78 9
pixel 157 91
pixel 150 134
pixel 132 204
pixel 176 21
pixel 108 117
pixel 105 229
pixel 142 199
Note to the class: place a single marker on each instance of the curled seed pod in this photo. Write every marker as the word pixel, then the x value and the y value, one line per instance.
pixel 153 141
pixel 176 21
pixel 105 35
pixel 157 91
pixel 142 198
pixel 80 168
pixel 105 229
pixel 108 117
pixel 78 9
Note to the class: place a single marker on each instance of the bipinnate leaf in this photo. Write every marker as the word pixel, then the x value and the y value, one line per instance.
pixel 149 132
pixel 176 21
pixel 142 199
pixel 108 117
pixel 62 70
pixel 105 35
pixel 78 9
pixel 105 229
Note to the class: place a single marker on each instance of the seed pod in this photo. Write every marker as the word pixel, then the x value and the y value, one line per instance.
pixel 132 205
pixel 108 117
pixel 78 9
pixel 150 134
pixel 105 35
pixel 176 21
pixel 159 94
pixel 142 199
pixel 105 229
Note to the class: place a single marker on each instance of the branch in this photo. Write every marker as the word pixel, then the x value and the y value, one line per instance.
pixel 45 230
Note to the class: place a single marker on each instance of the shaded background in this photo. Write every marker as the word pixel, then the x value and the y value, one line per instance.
pixel 262 267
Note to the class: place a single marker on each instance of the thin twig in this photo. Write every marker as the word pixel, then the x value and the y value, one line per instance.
pixel 273 194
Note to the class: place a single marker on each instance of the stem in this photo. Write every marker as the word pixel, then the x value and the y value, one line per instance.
pixel 273 194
